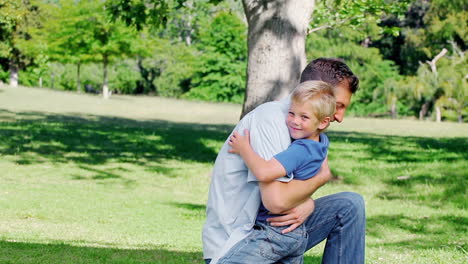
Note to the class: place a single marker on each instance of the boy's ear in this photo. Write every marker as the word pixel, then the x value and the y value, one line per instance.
pixel 324 123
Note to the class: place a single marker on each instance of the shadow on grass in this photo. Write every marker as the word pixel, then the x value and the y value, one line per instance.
pixel 92 140
pixel 451 188
pixel 23 253
pixel 190 206
pixel 429 230
pixel 394 149
pixel 34 253
pixel 439 162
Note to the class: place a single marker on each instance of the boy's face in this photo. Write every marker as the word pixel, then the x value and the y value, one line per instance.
pixel 302 123
pixel 343 99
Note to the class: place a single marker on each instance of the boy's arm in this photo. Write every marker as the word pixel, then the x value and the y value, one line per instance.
pixel 264 170
pixel 279 197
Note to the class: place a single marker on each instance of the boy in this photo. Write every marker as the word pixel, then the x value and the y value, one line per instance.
pixel 312 106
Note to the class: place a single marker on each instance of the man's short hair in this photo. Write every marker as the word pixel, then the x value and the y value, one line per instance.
pixel 331 70
pixel 318 95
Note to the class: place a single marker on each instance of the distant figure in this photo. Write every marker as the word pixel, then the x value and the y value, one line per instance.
pixel 90 89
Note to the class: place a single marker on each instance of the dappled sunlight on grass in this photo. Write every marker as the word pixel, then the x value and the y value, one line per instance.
pixel 132 188
pixel 408 166
pixel 96 140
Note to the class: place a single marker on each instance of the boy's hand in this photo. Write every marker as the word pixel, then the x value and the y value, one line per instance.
pixel 239 142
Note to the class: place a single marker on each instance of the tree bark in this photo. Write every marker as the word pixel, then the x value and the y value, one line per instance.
pixel 423 111
pixel 52 80
pixel 433 62
pixel 13 73
pixel 438 114
pixel 393 110
pixel 105 87
pixel 78 79
pixel 276 44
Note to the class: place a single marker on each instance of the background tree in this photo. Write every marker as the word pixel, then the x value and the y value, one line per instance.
pixel 220 71
pixel 201 52
pixel 276 38
pixel 374 96
pixel 16 17
pixel 67 30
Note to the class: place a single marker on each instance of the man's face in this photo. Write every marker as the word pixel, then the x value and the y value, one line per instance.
pixel 343 99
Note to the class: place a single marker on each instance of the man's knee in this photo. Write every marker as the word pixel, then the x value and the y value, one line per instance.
pixel 355 202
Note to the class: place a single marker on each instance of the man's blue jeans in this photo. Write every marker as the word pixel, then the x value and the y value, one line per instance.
pixel 339 218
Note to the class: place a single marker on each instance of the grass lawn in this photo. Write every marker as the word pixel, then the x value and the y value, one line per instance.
pixel 125 180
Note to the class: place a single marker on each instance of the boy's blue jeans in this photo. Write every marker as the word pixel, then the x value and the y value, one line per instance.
pixel 339 218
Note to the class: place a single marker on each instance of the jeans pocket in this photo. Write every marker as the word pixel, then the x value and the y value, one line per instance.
pixel 277 245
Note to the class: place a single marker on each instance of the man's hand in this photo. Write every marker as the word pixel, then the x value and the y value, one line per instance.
pixel 238 142
pixel 294 217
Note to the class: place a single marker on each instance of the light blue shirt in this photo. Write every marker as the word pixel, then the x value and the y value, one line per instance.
pixel 234 195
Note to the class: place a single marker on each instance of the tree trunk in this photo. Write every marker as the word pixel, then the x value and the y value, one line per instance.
pixel 433 62
pixel 393 110
pixel 438 114
pixel 52 80
pixel 423 111
pixel 276 43
pixel 188 26
pixel 78 79
pixel 40 82
pixel 13 73
pixel 105 87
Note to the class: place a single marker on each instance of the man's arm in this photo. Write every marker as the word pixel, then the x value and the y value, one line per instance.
pixel 279 197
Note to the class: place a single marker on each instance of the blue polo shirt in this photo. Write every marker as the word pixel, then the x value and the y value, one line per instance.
pixel 302 160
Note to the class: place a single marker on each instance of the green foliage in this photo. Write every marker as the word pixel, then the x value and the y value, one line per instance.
pixel 79 32
pixel 366 63
pixel 451 95
pixel 196 49
pixel 356 14
pixel 184 24
pixel 68 31
pixel 177 63
pixel 17 17
pixel 165 67
pixel 124 77
pixel 220 74
pixel 427 28
pixel 140 13
pixel 4 75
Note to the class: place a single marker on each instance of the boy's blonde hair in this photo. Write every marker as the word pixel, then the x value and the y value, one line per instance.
pixel 319 95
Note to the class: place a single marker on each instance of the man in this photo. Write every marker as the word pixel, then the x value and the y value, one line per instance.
pixel 235 194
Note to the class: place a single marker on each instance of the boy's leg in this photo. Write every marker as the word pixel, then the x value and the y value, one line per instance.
pixel 266 245
pixel 339 218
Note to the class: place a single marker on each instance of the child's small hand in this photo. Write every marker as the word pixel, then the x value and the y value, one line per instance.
pixel 239 142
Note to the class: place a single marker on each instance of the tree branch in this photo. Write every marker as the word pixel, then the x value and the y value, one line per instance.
pixel 432 63
pixel 311 30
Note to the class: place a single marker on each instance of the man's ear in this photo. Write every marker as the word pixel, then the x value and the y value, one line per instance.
pixel 324 123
